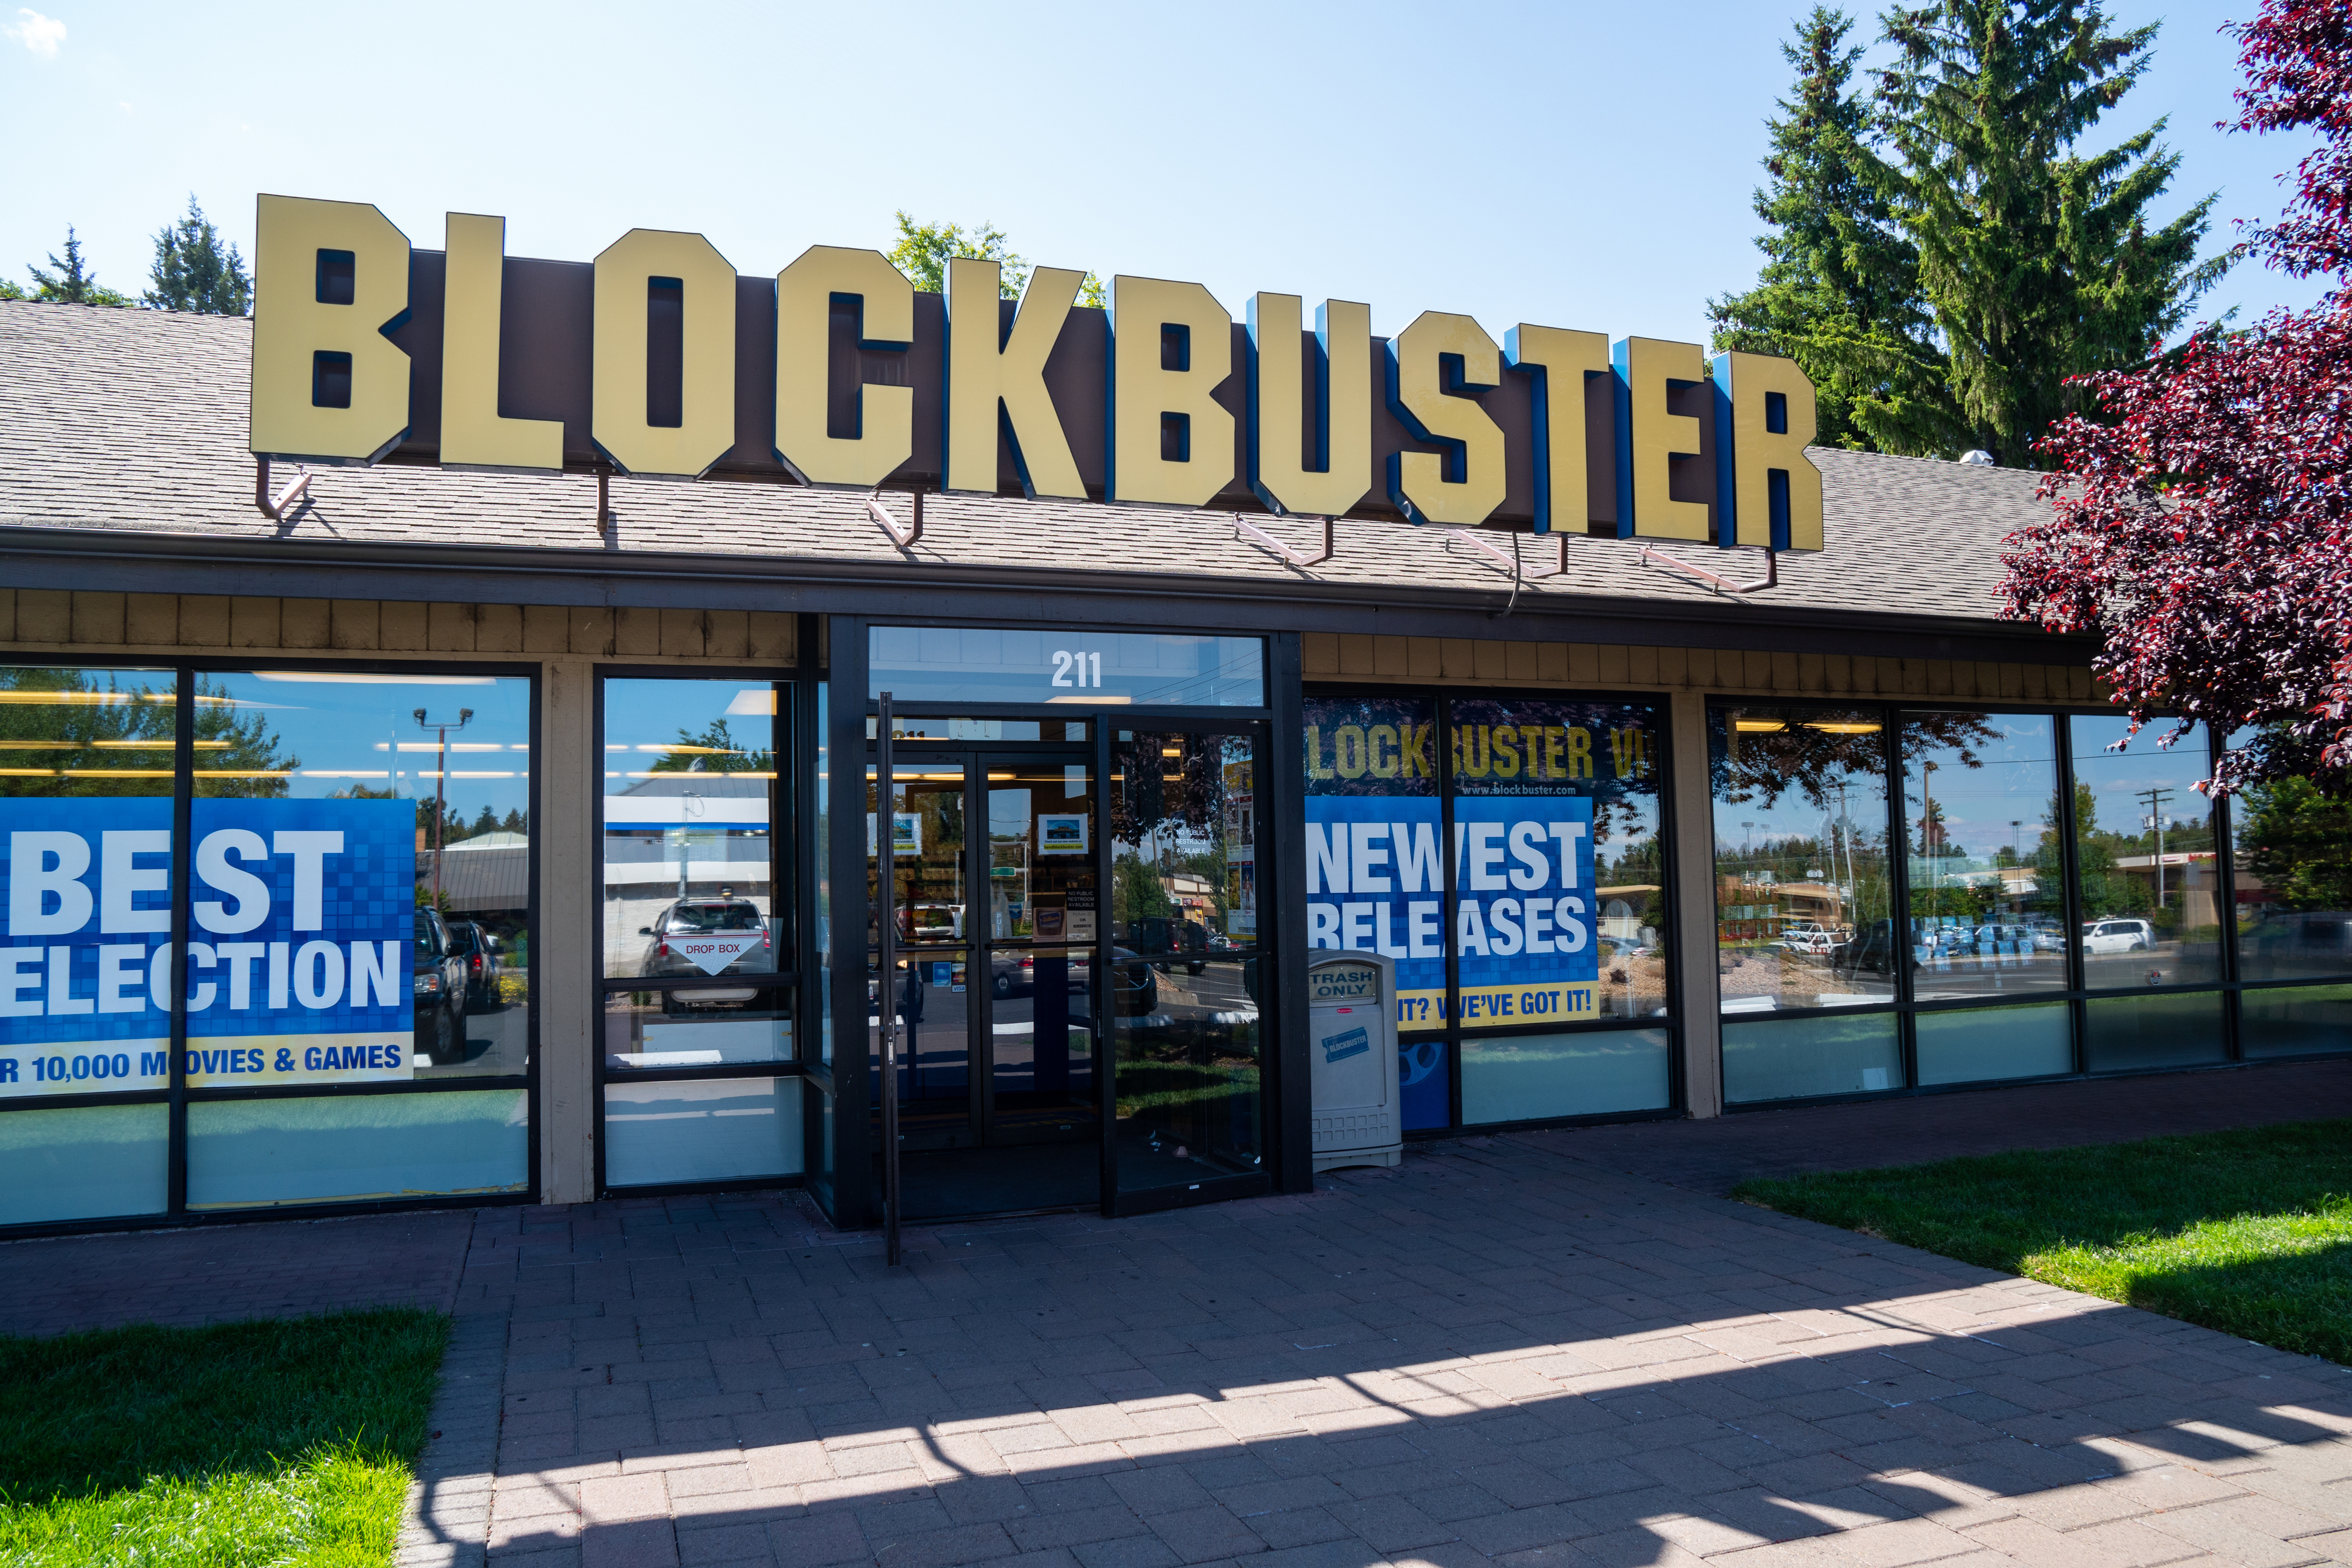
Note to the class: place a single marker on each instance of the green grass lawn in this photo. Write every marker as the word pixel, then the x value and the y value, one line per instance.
pixel 238 1446
pixel 2248 1232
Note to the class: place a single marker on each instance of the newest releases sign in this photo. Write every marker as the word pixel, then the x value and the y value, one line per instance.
pixel 658 360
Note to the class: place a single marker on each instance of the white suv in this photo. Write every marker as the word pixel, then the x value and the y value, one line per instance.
pixel 2119 937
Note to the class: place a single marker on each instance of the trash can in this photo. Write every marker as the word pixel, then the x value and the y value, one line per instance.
pixel 1351 1036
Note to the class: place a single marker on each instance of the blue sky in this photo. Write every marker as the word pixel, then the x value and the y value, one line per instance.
pixel 1577 165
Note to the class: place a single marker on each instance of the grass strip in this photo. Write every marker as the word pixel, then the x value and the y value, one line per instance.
pixel 2247 1231
pixel 245 1445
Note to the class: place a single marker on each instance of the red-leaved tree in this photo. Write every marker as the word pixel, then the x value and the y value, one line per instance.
pixel 2201 521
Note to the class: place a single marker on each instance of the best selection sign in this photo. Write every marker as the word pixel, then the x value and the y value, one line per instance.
pixel 298 958
pixel 657 361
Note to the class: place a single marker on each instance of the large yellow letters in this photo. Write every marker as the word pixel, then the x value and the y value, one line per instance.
pixel 1564 365
pixel 1761 464
pixel 309 343
pixel 473 433
pixel 617 419
pixel 1154 402
pixel 1277 396
pixel 987 366
pixel 1417 481
pixel 885 416
pixel 1651 438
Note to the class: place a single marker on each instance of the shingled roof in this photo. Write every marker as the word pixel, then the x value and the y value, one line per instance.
pixel 135 421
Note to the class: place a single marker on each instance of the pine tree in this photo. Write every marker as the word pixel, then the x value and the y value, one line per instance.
pixel 68 282
pixel 195 272
pixel 1839 289
pixel 2039 264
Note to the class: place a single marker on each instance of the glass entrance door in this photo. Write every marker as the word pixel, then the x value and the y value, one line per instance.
pixel 1188 963
pixel 996 865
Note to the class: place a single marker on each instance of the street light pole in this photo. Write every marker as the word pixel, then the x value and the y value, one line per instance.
pixel 442 726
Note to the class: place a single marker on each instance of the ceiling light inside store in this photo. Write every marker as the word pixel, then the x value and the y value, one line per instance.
pixel 1758 725
pixel 1827 727
pixel 347 679
pixel 754 700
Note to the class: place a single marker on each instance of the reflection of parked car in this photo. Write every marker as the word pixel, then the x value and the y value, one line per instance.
pixel 729 922
pixel 480 949
pixel 1809 941
pixel 439 984
pixel 1873 950
pixel 1014 974
pixel 1162 937
pixel 2049 937
pixel 2119 937
pixel 1134 985
pixel 2305 938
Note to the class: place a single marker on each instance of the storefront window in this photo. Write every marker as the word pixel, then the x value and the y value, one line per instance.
pixel 2292 881
pixel 1987 889
pixel 699 956
pixel 690 778
pixel 357 905
pixel 1804 901
pixel 1558 914
pixel 86 782
pixel 2148 877
pixel 1802 889
pixel 1185 958
pixel 362 853
pixel 1373 880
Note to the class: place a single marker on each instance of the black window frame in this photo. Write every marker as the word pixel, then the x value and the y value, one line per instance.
pixel 178 1095
pixel 1441 695
pixel 792 897
pixel 2076 995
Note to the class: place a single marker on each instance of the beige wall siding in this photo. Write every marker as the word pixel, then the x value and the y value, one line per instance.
pixel 54 620
pixel 1351 657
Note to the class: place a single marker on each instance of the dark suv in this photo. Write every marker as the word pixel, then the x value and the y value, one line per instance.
pixel 480 950
pixel 439 983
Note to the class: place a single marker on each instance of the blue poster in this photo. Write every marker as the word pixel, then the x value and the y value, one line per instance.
pixel 1523 872
pixel 300 931
pixel 1374 885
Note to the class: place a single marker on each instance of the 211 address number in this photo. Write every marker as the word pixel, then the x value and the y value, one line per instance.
pixel 1086 667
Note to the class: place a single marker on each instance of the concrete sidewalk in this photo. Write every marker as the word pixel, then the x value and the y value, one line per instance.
pixel 1492 1353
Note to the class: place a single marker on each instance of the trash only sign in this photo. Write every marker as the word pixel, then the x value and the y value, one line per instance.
pixel 300 926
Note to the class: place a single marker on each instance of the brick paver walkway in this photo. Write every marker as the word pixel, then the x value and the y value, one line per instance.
pixel 1490 1354
pixel 1495 1352
pixel 214 1273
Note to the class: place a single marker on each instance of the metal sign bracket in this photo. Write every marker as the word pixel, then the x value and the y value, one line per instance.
pixel 1652 555
pixel 904 538
pixel 275 507
pixel 1257 536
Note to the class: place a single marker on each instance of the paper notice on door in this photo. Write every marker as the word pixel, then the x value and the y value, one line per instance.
pixel 713 951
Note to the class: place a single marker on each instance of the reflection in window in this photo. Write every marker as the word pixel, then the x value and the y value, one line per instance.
pixel 1802 892
pixel 1184 961
pixel 1987 873
pixel 85 770
pixel 696 1026
pixel 2145 860
pixel 389 815
pixel 2292 883
pixel 688 844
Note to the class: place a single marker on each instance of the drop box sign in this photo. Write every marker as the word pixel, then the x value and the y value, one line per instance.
pixel 301 919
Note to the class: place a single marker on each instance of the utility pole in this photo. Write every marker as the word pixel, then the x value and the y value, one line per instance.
pixel 2156 799
pixel 441 785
